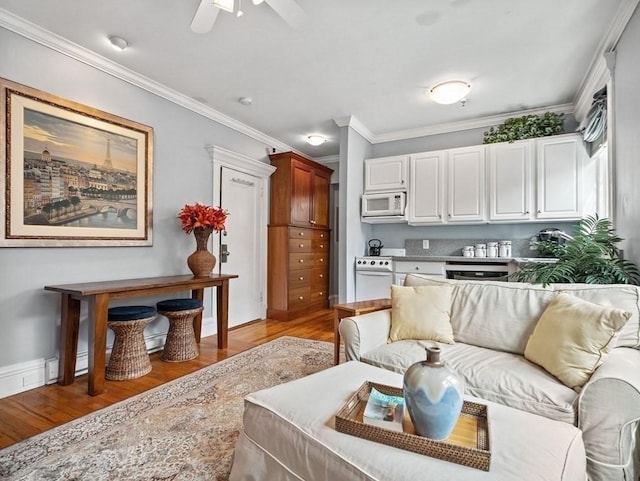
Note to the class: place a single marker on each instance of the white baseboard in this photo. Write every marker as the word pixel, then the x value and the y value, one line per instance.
pixel 28 375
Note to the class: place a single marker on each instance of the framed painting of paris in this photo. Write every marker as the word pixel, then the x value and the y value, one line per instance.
pixel 73 175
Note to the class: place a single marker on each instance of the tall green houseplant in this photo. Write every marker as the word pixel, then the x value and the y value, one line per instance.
pixel 591 257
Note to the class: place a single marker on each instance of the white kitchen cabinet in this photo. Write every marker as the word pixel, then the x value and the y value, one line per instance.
pixel 386 174
pixel 510 180
pixel 427 188
pixel 466 184
pixel 429 268
pixel 559 162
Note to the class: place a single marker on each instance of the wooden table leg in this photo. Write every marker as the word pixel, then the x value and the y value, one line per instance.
pixel 98 313
pixel 197 321
pixel 69 328
pixel 222 303
pixel 336 338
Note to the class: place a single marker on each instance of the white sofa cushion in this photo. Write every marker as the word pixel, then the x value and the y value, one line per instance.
pixel 622 296
pixel 495 315
pixel 502 377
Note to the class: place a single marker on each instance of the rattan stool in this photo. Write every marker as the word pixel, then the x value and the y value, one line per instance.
pixel 129 358
pixel 181 342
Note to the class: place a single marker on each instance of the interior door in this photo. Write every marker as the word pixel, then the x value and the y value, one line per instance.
pixel 240 195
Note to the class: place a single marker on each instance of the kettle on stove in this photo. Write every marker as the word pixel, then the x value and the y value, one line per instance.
pixel 375 245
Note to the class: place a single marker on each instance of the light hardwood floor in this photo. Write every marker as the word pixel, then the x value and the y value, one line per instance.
pixel 27 414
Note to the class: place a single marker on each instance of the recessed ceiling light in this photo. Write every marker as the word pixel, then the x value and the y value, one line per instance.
pixel 118 43
pixel 316 140
pixel 449 92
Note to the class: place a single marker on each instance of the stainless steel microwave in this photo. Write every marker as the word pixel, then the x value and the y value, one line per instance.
pixel 384 204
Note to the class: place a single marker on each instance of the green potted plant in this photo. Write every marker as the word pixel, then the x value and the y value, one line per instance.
pixel 526 127
pixel 590 257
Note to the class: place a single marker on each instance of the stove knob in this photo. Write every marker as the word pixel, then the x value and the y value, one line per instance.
pixel 386 263
pixel 373 263
pixel 359 262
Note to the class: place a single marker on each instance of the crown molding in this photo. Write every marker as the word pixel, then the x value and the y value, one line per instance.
pixel 226 157
pixel 598 74
pixel 355 124
pixel 329 159
pixel 66 47
pixel 467 124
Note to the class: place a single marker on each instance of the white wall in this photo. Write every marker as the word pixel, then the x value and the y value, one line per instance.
pixel 182 173
pixel 626 97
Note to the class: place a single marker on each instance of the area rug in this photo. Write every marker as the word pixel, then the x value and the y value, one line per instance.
pixel 183 430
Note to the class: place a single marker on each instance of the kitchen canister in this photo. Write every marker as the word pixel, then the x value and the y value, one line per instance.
pixel 433 396
pixel 481 250
pixel 492 249
pixel 504 248
pixel 468 251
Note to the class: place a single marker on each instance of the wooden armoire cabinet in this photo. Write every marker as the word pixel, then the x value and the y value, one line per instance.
pixel 298 265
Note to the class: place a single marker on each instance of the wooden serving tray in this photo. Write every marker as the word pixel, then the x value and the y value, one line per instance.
pixel 468 444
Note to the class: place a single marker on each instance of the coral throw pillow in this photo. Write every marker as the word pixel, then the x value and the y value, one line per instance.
pixel 421 312
pixel 573 337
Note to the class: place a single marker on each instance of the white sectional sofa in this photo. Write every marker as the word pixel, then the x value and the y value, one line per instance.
pixel 492 323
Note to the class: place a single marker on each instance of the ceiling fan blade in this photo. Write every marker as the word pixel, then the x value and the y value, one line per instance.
pixel 290 12
pixel 204 17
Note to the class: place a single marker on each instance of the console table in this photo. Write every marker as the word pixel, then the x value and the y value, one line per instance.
pixel 98 295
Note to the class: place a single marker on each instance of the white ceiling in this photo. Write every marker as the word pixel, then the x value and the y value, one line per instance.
pixel 371 59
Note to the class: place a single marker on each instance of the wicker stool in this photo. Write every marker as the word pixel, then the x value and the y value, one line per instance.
pixel 181 342
pixel 129 358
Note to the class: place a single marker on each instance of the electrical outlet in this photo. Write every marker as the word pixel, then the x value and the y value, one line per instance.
pixel 425 243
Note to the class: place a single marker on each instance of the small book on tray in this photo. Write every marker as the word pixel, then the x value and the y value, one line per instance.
pixel 384 411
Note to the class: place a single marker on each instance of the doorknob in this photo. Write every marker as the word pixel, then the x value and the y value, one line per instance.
pixel 224 252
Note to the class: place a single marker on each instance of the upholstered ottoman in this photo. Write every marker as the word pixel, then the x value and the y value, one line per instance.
pixel 289 434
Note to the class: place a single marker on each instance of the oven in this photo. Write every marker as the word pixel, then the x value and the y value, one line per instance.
pixel 474 271
pixel 374 276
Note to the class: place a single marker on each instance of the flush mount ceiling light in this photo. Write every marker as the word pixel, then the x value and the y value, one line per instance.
pixel 118 43
pixel 257 2
pixel 316 140
pixel 226 5
pixel 449 92
pixel 245 100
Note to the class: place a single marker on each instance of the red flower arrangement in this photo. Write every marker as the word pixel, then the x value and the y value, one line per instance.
pixel 200 216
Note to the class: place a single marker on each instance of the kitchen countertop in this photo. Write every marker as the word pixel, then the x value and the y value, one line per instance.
pixel 473 260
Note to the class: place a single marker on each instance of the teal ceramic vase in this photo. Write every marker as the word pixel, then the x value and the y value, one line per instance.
pixel 433 396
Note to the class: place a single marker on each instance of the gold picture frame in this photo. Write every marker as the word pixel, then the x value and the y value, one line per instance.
pixel 73 175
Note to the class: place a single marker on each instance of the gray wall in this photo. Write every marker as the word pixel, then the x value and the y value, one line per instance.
pixel 182 173
pixel 353 234
pixel 626 134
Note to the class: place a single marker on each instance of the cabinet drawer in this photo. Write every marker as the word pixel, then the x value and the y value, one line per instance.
pixel 300 261
pixel 299 233
pixel 319 274
pixel 320 245
pixel 300 278
pixel 300 245
pixel 420 267
pixel 320 235
pixel 319 294
pixel 299 297
pixel 320 259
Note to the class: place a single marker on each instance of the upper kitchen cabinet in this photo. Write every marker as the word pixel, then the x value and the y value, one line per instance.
pixel 559 168
pixel 426 187
pixel 466 174
pixel 447 186
pixel 510 181
pixel 386 174
pixel 300 191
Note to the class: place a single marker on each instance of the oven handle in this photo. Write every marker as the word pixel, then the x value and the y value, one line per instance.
pixel 374 273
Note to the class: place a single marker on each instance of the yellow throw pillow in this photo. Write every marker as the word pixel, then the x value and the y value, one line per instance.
pixel 421 312
pixel 573 337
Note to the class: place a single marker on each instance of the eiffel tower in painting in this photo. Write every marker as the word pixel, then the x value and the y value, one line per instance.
pixel 107 157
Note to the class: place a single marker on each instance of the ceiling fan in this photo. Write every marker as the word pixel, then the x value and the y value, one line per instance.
pixel 208 11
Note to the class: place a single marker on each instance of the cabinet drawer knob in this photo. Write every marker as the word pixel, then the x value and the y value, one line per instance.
pixel 321 260
pixel 322 236
pixel 312 221
pixel 301 233
pixel 321 246
pixel 301 278
pixel 301 261
pixel 321 276
pixel 300 245
pixel 320 294
pixel 301 297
